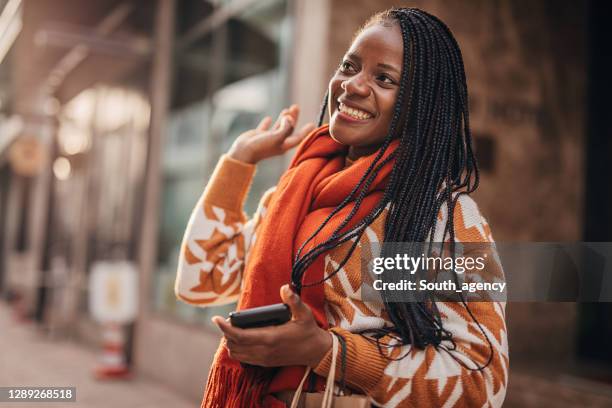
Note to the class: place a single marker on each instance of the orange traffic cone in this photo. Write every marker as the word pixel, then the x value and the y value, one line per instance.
pixel 112 362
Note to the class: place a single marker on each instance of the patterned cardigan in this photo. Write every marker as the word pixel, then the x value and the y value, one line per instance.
pixel 217 242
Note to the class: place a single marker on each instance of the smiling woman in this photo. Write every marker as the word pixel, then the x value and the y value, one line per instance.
pixel 394 164
pixel 363 91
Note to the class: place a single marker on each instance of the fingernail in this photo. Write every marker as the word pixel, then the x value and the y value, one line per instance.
pixel 291 293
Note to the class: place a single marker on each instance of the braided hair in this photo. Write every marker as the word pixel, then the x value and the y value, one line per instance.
pixel 434 165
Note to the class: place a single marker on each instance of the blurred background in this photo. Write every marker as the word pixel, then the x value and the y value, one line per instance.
pixel 113 114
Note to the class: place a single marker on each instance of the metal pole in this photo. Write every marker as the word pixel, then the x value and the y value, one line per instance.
pixel 160 98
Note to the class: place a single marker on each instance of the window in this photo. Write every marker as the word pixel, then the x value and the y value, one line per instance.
pixel 225 81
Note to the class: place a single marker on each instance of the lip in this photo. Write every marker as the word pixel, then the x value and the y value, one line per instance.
pixel 343 116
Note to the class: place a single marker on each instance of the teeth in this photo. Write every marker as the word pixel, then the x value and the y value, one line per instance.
pixel 355 113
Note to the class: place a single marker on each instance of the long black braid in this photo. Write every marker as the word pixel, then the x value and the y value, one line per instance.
pixel 434 165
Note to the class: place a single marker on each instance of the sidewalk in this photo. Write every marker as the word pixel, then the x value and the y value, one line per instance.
pixel 29 359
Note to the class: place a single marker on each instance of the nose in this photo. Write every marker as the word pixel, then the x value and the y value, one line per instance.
pixel 356 85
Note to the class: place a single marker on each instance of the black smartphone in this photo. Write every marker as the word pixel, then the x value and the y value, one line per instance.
pixel 271 315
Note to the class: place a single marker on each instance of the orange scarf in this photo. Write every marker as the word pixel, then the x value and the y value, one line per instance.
pixel 315 183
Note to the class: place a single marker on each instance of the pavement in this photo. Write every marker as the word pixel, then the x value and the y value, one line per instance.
pixel 29 358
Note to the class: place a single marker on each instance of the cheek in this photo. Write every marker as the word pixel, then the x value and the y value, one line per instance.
pixel 387 104
pixel 333 89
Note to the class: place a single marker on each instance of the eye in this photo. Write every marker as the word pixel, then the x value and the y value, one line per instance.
pixel 346 67
pixel 385 79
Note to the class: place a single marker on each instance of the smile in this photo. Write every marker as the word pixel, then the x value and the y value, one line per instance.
pixel 354 113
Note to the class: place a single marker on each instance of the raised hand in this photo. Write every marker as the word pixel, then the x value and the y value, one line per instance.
pixel 267 141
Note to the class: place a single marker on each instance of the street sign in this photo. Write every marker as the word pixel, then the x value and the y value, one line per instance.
pixel 113 291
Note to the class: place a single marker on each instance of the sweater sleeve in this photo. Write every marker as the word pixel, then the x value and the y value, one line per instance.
pixel 218 237
pixel 436 376
pixel 396 375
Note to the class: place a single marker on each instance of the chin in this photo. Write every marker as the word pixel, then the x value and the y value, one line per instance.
pixel 342 135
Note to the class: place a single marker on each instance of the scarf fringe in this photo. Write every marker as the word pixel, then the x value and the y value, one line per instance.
pixel 234 387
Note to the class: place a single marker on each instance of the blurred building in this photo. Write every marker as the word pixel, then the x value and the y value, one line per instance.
pixel 114 112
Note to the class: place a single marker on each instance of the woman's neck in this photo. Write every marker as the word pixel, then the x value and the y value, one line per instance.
pixel 355 152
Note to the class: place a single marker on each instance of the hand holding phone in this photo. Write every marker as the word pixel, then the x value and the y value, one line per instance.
pixel 275 346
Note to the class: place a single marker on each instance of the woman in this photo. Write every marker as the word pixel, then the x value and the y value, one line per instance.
pixel 395 160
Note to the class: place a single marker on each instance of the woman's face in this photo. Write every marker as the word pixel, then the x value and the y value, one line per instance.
pixel 363 91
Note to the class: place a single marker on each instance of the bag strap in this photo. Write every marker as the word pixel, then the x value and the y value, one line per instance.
pixel 328 395
pixel 298 392
pixel 342 345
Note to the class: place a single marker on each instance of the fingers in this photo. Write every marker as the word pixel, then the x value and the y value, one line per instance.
pixel 221 322
pixel 283 130
pixel 249 355
pixel 292 113
pixel 295 139
pixel 284 113
pixel 299 309
pixel 282 135
pixel 265 123
pixel 237 335
pixel 230 332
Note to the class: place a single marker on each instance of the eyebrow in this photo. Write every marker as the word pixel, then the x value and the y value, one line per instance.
pixel 380 64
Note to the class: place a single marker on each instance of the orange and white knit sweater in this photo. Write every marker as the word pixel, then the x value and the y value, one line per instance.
pixel 217 242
